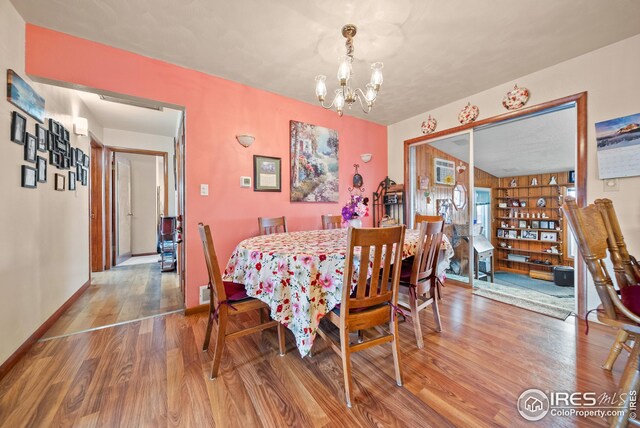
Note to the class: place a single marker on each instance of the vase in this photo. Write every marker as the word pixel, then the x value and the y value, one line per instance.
pixel 355 222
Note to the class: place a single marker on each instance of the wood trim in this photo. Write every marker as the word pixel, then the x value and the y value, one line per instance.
pixel 96 208
pixel 108 239
pixel 24 348
pixel 581 163
pixel 196 309
pixel 144 254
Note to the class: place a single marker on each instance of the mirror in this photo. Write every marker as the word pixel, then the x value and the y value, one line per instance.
pixel 459 196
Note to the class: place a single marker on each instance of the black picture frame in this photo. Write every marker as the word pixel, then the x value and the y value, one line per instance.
pixel 535 224
pixel 85 161
pixel 50 141
pixel 41 166
pixel 18 128
pixel 72 156
pixel 61 146
pixel 30 148
pixel 72 180
pixel 54 127
pixel 78 171
pixel 544 224
pixel 267 174
pixel 572 177
pixel 59 182
pixel 29 177
pixel 41 137
pixel 85 177
pixel 66 135
pixel 66 162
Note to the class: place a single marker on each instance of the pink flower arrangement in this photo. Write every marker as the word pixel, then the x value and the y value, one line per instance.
pixel 355 208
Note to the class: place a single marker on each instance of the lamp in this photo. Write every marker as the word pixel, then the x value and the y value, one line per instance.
pixel 346 94
pixel 245 140
pixel 366 157
pixel 80 126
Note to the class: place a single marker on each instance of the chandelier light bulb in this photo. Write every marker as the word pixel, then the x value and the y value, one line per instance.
pixel 376 74
pixel 338 101
pixel 321 87
pixel 370 94
pixel 344 71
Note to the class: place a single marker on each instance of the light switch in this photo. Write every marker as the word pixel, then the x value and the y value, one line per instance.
pixel 204 190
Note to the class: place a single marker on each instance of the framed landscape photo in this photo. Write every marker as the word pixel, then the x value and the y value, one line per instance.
pixel 30 148
pixel 59 182
pixel 29 177
pixel 21 95
pixel 18 127
pixel 266 174
pixel 41 164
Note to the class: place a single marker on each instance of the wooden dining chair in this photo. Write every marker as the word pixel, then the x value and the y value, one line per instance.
pixel 420 218
pixel 373 301
pixel 626 272
pixel 331 221
pixel 419 284
pixel 228 299
pixel 594 235
pixel 269 225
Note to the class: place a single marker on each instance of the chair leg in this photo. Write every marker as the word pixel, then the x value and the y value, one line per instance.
pixel 436 311
pixel 630 381
pixel 621 338
pixel 395 349
pixel 264 315
pixel 220 337
pixel 281 342
pixel 360 336
pixel 346 364
pixel 415 316
pixel 207 334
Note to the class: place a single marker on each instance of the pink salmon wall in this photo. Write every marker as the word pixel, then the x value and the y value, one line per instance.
pixel 216 110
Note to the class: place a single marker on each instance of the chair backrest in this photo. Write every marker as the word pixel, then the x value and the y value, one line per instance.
pixel 626 269
pixel 213 267
pixel 425 261
pixel 385 246
pixel 419 218
pixel 269 225
pixel 331 221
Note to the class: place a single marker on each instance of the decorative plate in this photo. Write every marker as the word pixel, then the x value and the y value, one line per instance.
pixel 468 114
pixel 429 125
pixel 541 203
pixel 516 99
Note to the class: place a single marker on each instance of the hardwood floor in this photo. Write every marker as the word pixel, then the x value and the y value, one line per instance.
pixel 121 294
pixel 153 373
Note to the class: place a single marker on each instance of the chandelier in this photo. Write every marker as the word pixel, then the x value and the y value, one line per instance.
pixel 346 94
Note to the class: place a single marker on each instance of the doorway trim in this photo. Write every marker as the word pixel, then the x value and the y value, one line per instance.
pixel 580 100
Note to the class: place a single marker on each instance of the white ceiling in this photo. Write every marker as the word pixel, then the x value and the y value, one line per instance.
pixel 130 118
pixel 435 52
pixel 536 144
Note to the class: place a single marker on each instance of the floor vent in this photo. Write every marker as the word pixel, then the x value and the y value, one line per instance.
pixel 205 296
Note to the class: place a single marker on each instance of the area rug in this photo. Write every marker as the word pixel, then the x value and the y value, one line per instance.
pixel 524 281
pixel 140 260
pixel 523 303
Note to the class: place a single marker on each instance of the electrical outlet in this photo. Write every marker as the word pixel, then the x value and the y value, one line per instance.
pixel 611 185
pixel 204 190
pixel 205 296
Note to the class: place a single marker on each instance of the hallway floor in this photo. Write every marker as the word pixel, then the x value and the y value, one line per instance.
pixel 124 293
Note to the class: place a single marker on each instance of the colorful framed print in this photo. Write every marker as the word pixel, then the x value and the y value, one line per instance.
pixel 21 95
pixel 266 174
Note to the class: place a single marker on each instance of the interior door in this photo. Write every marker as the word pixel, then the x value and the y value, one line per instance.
pixel 123 210
pixel 97 207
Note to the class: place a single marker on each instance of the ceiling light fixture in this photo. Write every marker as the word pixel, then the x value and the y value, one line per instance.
pixel 346 94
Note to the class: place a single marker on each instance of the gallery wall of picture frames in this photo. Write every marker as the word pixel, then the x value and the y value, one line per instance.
pixel 50 140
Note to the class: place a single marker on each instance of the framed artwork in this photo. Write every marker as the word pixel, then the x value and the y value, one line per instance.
pixel 66 162
pixel 500 233
pixel 59 183
pixel 85 177
pixel 78 171
pixel 61 146
pixel 41 164
pixel 85 161
pixel 66 135
pixel 529 234
pixel 72 156
pixel 29 177
pixel 21 95
pixel 444 208
pixel 552 225
pixel 50 141
pixel 266 174
pixel 54 127
pixel 72 180
pixel 30 148
pixel 549 236
pixel 544 224
pixel 535 224
pixel 444 171
pixel 618 147
pixel 511 234
pixel 314 163
pixel 572 177
pixel 522 224
pixel 18 127
pixel 41 136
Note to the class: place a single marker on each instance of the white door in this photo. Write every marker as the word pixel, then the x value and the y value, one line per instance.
pixel 123 201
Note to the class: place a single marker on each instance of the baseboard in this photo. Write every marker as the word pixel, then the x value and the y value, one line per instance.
pixel 145 254
pixel 196 309
pixel 24 348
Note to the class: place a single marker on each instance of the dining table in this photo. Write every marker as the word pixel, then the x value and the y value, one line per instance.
pixel 299 275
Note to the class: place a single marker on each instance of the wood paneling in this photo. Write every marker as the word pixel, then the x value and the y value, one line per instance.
pixel 153 373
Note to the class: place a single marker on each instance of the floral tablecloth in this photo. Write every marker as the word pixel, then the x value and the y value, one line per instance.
pixel 298 274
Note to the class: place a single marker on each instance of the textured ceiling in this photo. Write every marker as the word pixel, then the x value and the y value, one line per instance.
pixel 434 52
pixel 536 144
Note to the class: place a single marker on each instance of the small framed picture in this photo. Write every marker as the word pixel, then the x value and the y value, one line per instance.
pixel 511 234
pixel 66 135
pixel 29 177
pixel 61 146
pixel 552 225
pixel 544 224
pixel 549 236
pixel 72 156
pixel 59 183
pixel 54 127
pixel 42 169
pixel 18 127
pixel 85 161
pixel 535 224
pixel 41 136
pixel 85 177
pixel 500 233
pixel 572 177
pixel 79 171
pixel 72 180
pixel 266 174
pixel 51 142
pixel 529 234
pixel 66 162
pixel 522 224
pixel 30 148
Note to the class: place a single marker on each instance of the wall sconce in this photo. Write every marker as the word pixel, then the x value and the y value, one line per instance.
pixel 245 140
pixel 80 126
pixel 366 157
